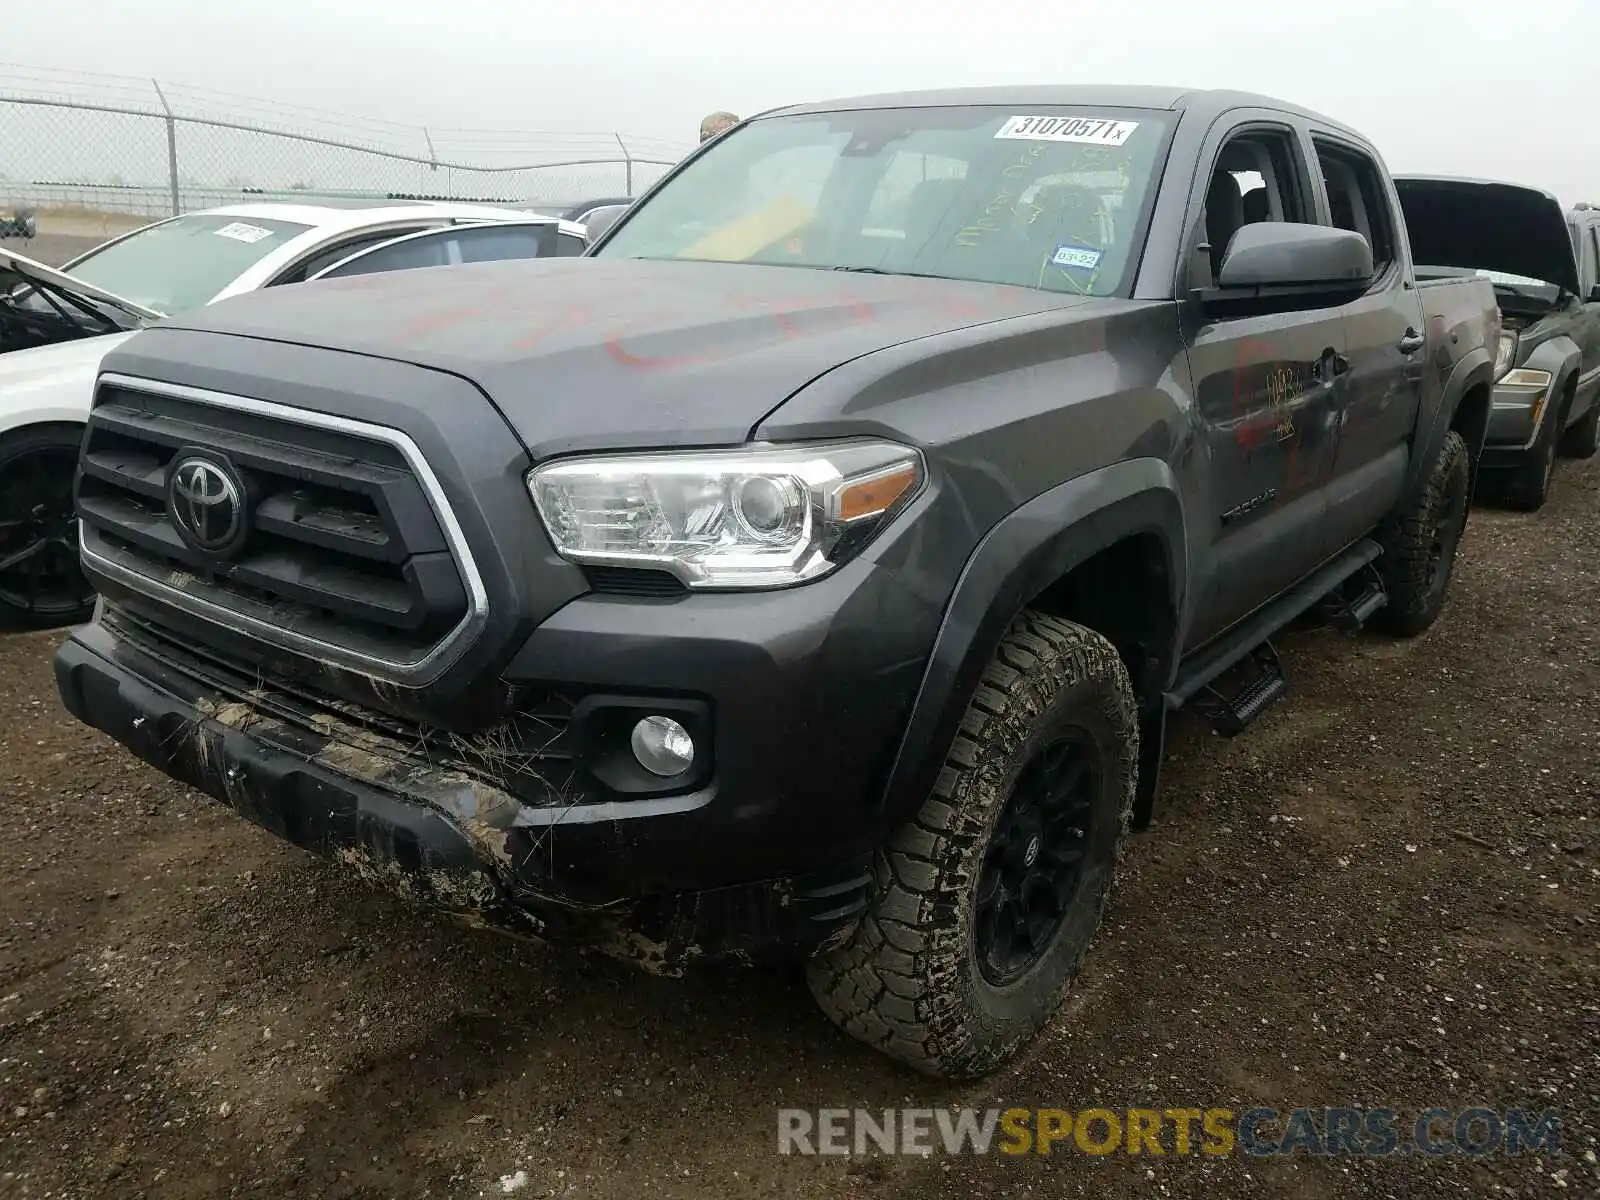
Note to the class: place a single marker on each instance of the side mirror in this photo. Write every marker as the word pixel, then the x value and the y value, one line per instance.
pixel 600 220
pixel 1271 254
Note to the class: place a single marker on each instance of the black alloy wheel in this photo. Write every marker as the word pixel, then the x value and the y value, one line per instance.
pixel 1035 861
pixel 41 582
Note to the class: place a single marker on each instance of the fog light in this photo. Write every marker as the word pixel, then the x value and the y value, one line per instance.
pixel 662 746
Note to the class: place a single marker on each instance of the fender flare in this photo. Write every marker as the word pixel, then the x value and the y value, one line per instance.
pixel 1562 358
pixel 1475 368
pixel 1021 556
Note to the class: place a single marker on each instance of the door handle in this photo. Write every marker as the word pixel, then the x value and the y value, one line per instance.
pixel 1331 365
pixel 1412 342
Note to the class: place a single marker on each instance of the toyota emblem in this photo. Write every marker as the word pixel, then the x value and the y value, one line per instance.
pixel 206 501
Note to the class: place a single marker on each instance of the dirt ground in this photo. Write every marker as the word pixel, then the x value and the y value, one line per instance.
pixel 1383 893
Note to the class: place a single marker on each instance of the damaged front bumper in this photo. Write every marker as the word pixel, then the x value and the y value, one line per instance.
pixel 428 833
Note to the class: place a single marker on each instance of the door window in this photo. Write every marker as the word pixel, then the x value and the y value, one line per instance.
pixel 1356 199
pixel 341 250
pixel 445 247
pixel 1256 178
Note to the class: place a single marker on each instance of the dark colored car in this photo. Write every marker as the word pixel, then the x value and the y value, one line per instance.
pixel 1543 265
pixel 20 224
pixel 811 570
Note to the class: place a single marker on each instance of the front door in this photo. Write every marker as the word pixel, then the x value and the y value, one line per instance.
pixel 1267 387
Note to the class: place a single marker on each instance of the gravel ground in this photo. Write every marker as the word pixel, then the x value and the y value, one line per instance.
pixel 1383 893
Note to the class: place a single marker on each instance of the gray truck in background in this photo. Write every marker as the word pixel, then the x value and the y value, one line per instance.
pixel 811 569
pixel 1545 268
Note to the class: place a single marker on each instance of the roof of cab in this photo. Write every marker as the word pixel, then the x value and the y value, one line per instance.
pixel 1203 102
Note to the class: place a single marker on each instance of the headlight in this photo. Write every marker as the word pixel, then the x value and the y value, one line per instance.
pixel 1525 379
pixel 1505 354
pixel 756 517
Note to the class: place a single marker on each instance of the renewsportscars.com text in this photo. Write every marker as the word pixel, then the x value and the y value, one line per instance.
pixel 1216 1132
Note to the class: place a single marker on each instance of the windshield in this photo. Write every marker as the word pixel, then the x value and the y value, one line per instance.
pixel 1048 198
pixel 183 263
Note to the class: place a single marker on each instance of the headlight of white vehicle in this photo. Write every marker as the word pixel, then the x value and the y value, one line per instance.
pixel 1505 354
pixel 757 517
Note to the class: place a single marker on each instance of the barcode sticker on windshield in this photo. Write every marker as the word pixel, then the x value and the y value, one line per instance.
pixel 1094 131
pixel 240 232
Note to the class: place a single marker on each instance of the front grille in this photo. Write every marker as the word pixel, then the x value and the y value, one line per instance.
pixel 344 551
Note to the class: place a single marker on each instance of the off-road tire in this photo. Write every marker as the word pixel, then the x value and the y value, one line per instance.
pixel 907 980
pixel 1583 439
pixel 1416 590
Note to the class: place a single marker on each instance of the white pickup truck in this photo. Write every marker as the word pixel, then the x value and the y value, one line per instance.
pixel 56 325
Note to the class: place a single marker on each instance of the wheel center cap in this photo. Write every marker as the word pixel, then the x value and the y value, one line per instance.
pixel 1031 854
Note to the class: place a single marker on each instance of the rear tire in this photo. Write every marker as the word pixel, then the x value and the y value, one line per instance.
pixel 41 582
pixel 1420 543
pixel 1583 439
pixel 985 902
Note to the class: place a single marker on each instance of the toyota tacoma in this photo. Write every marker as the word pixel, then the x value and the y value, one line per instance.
pixel 809 570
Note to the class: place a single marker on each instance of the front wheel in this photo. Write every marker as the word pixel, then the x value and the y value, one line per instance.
pixel 41 582
pixel 986 901
pixel 1420 541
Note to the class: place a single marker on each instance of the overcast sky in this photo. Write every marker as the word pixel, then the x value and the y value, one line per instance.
pixel 1475 87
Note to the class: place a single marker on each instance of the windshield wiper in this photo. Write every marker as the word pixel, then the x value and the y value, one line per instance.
pixel 880 271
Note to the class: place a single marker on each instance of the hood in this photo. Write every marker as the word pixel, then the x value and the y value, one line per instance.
pixel 583 353
pixel 37 272
pixel 1481 225
pixel 79 358
pixel 52 383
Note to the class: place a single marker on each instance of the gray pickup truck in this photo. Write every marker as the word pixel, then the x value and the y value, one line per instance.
pixel 812 569
pixel 1545 267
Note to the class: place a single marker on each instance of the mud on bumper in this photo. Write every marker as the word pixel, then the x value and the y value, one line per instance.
pixel 427 834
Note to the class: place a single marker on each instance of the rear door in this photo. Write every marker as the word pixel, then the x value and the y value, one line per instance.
pixel 1266 383
pixel 1385 344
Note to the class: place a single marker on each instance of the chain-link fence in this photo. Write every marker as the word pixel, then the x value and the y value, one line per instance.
pixel 105 148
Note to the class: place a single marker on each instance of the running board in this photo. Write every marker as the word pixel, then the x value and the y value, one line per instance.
pixel 1352 605
pixel 1240 644
pixel 1229 714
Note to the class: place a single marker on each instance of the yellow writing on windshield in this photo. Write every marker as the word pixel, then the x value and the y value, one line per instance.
pixel 750 234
